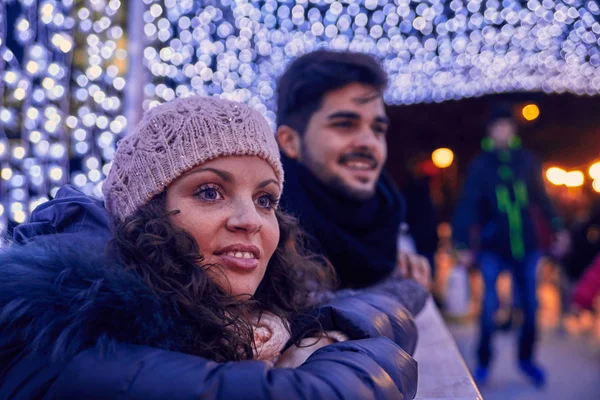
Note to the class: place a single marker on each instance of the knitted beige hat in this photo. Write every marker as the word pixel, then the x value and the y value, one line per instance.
pixel 175 137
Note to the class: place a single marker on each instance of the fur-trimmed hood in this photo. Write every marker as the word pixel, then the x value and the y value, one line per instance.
pixel 60 293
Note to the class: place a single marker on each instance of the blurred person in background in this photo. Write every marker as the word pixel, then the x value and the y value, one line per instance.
pixel 496 222
pixel 584 226
pixel 331 129
pixel 586 241
pixel 587 289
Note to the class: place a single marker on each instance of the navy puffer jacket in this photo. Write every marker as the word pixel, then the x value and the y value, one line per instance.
pixel 73 326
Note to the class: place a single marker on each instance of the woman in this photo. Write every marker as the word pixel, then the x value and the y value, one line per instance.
pixel 203 275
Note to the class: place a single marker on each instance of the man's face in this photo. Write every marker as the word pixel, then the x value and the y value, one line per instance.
pixel 344 143
pixel 502 131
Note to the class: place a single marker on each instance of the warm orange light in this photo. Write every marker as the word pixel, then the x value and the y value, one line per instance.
pixel 596 185
pixel 574 179
pixel 594 171
pixel 556 176
pixel 442 158
pixel 531 112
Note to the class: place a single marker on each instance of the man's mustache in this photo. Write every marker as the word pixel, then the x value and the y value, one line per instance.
pixel 363 156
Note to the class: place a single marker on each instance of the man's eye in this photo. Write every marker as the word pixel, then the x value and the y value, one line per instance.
pixel 380 130
pixel 343 124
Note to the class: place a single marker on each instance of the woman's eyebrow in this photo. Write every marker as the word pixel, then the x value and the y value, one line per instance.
pixel 226 176
pixel 267 183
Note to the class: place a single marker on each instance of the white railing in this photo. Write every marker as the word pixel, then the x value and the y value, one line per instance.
pixel 443 373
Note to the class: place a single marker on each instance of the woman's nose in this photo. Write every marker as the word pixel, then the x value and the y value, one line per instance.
pixel 244 217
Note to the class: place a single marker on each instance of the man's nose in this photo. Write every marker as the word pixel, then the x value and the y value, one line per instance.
pixel 366 139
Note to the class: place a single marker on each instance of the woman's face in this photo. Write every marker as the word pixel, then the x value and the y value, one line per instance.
pixel 228 206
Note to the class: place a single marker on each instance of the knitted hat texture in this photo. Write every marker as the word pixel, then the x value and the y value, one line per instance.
pixel 175 137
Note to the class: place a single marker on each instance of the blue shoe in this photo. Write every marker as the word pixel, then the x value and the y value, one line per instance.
pixel 480 375
pixel 535 374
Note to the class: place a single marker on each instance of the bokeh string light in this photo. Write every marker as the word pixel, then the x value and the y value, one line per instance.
pixel 97 120
pixel 434 50
pixel 226 48
pixel 442 158
pixel 62 103
pixel 34 100
pixel 60 99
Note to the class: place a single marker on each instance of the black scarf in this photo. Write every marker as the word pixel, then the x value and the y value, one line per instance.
pixel 358 237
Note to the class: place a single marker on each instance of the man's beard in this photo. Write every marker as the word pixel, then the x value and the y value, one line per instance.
pixel 334 182
pixel 338 186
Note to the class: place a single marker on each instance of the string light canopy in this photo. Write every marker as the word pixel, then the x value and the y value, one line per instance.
pixel 434 50
pixel 62 102
pixel 60 98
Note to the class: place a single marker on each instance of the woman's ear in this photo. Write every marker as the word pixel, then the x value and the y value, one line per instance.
pixel 288 140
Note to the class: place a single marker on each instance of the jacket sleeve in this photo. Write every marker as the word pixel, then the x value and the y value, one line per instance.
pixel 465 216
pixel 361 314
pixel 408 292
pixel 69 212
pixel 368 369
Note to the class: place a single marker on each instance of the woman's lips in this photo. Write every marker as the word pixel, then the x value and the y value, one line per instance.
pixel 240 256
pixel 239 263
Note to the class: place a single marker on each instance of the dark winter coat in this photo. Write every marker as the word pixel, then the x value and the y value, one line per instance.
pixel 74 324
pixel 496 179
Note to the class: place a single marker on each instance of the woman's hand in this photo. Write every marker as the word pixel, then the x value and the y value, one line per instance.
pixel 296 355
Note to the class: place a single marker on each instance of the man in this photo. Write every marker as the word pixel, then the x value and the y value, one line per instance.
pixel 503 200
pixel 331 128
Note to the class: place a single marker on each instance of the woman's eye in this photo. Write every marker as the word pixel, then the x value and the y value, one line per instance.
pixel 209 193
pixel 266 201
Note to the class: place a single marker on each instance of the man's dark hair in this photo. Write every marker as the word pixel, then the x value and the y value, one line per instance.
pixel 309 78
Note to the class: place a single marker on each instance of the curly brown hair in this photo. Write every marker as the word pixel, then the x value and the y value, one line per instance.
pixel 167 259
